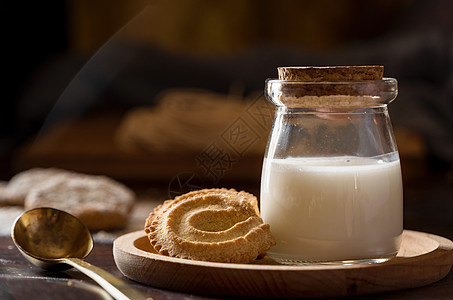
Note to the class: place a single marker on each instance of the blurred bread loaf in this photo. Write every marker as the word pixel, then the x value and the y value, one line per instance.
pixel 99 201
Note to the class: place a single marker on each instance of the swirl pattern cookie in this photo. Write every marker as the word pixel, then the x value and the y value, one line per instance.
pixel 217 225
pixel 232 193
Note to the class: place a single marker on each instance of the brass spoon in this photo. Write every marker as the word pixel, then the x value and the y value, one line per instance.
pixel 53 239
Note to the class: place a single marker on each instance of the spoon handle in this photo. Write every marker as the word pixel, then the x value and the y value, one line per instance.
pixel 117 288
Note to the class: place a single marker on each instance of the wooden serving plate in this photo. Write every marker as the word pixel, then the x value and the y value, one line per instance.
pixel 423 259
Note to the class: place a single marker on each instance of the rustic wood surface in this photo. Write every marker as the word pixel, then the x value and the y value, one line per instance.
pixel 21 280
pixel 427 209
pixel 423 259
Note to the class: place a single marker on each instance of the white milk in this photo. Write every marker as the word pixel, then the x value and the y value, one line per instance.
pixel 333 209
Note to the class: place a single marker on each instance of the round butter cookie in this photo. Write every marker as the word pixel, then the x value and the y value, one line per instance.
pixel 231 193
pixel 216 225
pixel 98 201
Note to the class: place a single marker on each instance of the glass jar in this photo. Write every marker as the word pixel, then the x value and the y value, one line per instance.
pixel 331 186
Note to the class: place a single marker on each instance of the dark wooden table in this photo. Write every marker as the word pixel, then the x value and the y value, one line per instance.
pixel 21 280
pixel 428 208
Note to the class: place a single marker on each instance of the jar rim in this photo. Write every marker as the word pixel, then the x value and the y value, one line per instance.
pixel 367 93
pixel 385 79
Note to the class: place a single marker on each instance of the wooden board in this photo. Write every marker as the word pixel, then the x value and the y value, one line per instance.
pixel 423 259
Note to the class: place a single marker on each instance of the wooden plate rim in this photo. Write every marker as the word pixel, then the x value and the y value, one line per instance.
pixel 445 247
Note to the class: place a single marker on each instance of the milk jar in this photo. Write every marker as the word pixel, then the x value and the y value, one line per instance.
pixel 331 186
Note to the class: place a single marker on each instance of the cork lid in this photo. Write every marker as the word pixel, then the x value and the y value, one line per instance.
pixel 332 74
pixel 335 86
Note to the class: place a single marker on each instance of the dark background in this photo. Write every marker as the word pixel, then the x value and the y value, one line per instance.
pixel 216 45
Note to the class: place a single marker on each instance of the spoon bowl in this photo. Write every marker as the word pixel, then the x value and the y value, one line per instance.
pixel 46 235
pixel 53 239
